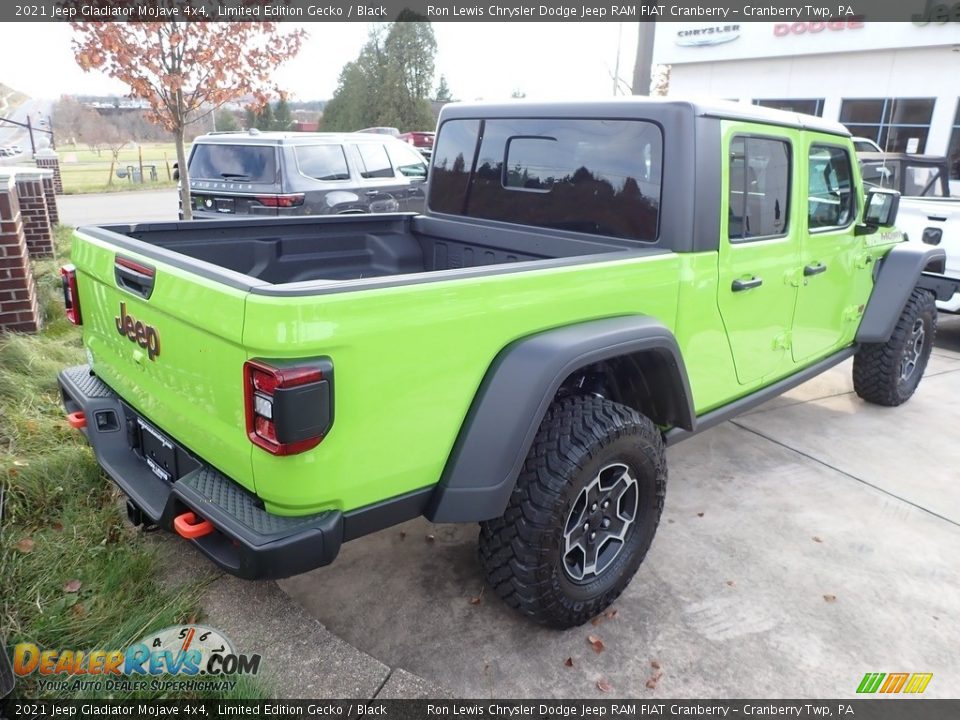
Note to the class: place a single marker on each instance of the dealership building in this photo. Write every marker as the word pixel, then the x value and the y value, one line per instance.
pixel 896 83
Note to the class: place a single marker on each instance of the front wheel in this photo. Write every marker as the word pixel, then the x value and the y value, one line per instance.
pixel 582 515
pixel 888 373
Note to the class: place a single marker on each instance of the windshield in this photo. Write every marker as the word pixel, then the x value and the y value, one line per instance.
pixel 246 163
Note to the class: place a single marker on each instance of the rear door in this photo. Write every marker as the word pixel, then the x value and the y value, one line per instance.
pixel 830 254
pixel 380 189
pixel 169 342
pixel 228 178
pixel 759 248
pixel 410 166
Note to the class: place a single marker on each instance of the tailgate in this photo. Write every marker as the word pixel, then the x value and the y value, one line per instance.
pixel 170 346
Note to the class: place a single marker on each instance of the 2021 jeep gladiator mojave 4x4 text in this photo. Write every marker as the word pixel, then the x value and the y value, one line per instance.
pixel 590 283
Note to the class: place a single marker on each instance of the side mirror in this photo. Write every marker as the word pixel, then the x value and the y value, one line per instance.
pixel 882 206
pixel 881 209
pixel 176 171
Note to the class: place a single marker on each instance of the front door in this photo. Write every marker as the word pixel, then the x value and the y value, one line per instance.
pixel 830 252
pixel 759 249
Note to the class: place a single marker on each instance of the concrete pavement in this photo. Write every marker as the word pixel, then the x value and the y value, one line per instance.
pixel 11 134
pixel 301 658
pixel 802 545
pixel 118 207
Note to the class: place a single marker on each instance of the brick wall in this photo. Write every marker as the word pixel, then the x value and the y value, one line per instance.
pixel 18 292
pixel 37 228
pixel 50 193
pixel 50 160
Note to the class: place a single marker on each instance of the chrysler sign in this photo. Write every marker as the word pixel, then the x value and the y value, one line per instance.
pixel 710 35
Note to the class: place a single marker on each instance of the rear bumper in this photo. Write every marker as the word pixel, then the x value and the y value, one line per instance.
pixel 247 541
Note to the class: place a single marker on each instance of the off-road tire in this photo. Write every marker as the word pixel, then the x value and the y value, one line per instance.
pixel 878 367
pixel 522 551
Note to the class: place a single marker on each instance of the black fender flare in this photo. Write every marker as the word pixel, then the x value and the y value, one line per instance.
pixel 895 277
pixel 515 394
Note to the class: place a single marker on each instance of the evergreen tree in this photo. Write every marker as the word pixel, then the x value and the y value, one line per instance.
pixel 282 119
pixel 443 94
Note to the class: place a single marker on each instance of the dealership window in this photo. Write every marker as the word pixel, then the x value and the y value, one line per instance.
pixel 759 190
pixel 953 152
pixel 830 197
pixel 895 124
pixel 807 106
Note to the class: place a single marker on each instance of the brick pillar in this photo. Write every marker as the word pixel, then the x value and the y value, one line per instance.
pixel 18 293
pixel 47 158
pixel 37 228
pixel 50 194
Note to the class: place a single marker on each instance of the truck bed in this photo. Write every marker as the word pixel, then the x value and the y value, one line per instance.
pixel 296 250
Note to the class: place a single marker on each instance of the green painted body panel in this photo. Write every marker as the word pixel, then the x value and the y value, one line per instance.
pixel 409 359
pixel 191 390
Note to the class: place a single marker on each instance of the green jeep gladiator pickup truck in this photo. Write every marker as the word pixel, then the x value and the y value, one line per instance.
pixel 590 283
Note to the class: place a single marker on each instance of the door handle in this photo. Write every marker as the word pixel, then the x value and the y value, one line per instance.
pixel 809 270
pixel 741 285
pixel 372 193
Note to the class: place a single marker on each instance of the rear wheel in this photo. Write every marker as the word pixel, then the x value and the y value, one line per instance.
pixel 582 515
pixel 888 373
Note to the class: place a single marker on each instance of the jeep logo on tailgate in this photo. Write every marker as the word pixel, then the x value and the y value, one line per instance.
pixel 145 336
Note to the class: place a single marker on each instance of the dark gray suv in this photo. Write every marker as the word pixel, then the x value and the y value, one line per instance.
pixel 278 173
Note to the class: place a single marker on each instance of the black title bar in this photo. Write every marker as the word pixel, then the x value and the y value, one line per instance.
pixel 921 12
pixel 625 709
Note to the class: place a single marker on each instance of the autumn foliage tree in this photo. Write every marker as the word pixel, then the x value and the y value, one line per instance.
pixel 183 69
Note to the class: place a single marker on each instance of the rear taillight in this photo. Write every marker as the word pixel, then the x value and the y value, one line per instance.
pixel 71 299
pixel 289 409
pixel 283 201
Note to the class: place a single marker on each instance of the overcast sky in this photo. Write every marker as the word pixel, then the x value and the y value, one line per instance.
pixel 480 60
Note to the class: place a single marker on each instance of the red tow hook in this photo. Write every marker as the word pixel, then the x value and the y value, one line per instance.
pixel 187 526
pixel 77 420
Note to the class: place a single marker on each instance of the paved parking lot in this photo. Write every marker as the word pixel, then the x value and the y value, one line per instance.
pixel 803 545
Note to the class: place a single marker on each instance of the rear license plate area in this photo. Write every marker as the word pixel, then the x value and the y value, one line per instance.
pixel 158 452
pixel 226 205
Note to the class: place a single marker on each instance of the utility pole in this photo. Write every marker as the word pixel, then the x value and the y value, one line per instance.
pixel 616 67
pixel 33 145
pixel 643 66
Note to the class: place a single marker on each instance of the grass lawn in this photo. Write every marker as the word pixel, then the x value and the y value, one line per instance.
pixel 73 573
pixel 84 171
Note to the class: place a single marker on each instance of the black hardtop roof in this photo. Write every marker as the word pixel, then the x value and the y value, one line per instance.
pixel 641 107
pixel 246 137
pixel 902 157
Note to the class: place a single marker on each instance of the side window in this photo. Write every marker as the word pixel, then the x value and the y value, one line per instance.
pixel 830 197
pixel 374 161
pixel 409 163
pixel 322 162
pixel 922 181
pixel 453 154
pixel 759 178
pixel 601 177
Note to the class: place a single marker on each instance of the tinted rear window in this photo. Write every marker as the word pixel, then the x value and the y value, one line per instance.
pixel 247 163
pixel 375 162
pixel 322 162
pixel 601 177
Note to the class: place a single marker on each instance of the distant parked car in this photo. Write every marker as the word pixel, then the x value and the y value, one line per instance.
pixel 6 152
pixel 862 144
pixel 422 141
pixel 282 174
pixel 381 131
